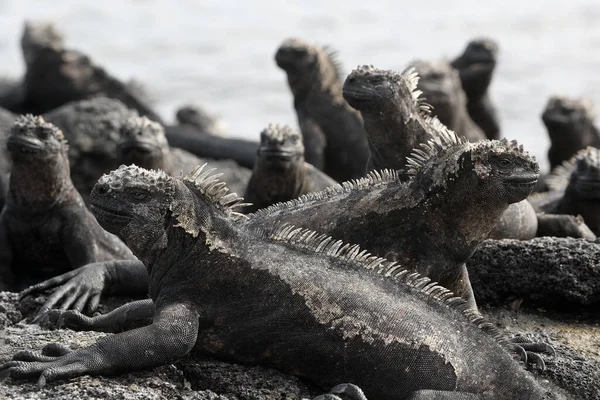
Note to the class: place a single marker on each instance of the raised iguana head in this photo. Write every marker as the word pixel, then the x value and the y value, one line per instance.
pixel 141 206
pixel 441 87
pixel 570 125
pixel 193 115
pixel 38 35
pixel 308 66
pixel 142 142
pixel 476 65
pixel 495 170
pixel 579 176
pixel 372 91
pixel 280 147
pixel 33 140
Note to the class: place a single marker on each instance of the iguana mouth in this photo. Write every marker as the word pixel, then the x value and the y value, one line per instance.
pixel 106 213
pixel 278 154
pixel 24 144
pixel 523 180
pixel 557 118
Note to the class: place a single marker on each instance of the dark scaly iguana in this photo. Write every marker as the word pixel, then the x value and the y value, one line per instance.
pixel 280 172
pixel 442 89
pixel 431 224
pixel 287 298
pixel 45 228
pixel 143 142
pixel 334 138
pixel 195 116
pixel 397 120
pixel 476 68
pixel 574 189
pixel 56 75
pixel 570 125
pixel 6 120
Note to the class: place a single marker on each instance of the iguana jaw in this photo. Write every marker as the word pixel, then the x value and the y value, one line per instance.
pixel 24 145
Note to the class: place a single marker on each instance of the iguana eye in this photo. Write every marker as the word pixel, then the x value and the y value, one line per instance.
pixel 139 195
pixel 504 162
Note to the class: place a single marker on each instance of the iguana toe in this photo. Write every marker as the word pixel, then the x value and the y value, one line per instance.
pixel 343 391
pixel 55 350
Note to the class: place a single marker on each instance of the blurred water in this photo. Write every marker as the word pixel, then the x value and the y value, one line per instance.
pixel 220 53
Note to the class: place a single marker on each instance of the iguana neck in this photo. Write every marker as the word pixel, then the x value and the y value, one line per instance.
pixel 392 136
pixel 158 161
pixel 288 182
pixel 41 185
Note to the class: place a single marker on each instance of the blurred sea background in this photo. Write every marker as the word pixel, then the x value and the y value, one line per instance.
pixel 219 53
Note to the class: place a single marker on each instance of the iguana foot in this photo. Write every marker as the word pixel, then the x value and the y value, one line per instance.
pixel 529 352
pixel 49 353
pixel 57 319
pixel 344 391
pixel 47 368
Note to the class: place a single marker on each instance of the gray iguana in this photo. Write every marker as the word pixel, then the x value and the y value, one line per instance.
pixel 476 67
pixel 143 142
pixel 442 89
pixel 195 116
pixel 574 189
pixel 431 224
pixel 570 125
pixel 334 138
pixel 397 120
pixel 287 298
pixel 45 228
pixel 280 172
pixel 6 120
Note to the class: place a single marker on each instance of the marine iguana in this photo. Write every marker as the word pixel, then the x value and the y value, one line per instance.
pixel 305 301
pixel 325 118
pixel 397 120
pixel 195 116
pixel 476 68
pixel 570 125
pixel 56 75
pixel 6 120
pixel 92 129
pixel 442 89
pixel 574 189
pixel 143 143
pixel 280 172
pixel 45 228
pixel 431 224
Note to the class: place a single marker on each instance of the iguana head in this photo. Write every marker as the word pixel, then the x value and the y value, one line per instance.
pixel 441 87
pixel 493 170
pixel 142 142
pixel 307 66
pixel 371 90
pixel 196 116
pixel 39 35
pixel 579 176
pixel 280 146
pixel 476 65
pixel 141 206
pixel 565 116
pixel 33 140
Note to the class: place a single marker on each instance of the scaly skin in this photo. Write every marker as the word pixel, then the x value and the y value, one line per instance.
pixel 431 224
pixel 575 189
pixel 441 87
pixel 570 125
pixel 143 142
pixel 325 118
pixel 476 67
pixel 6 120
pixel 195 116
pixel 280 172
pixel 45 228
pixel 224 289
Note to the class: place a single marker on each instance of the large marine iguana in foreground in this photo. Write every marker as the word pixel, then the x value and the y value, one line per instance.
pixel 45 228
pixel 441 87
pixel 280 172
pixel 397 120
pixel 431 224
pixel 287 298
pixel 574 189
pixel 334 138
pixel 570 125
pixel 56 75
pixel 143 142
pixel 476 68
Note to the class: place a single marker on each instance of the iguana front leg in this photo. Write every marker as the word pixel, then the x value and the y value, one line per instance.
pixel 171 336
pixel 128 316
pixel 348 391
pixel 85 285
pixel 563 225
pixel 78 240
